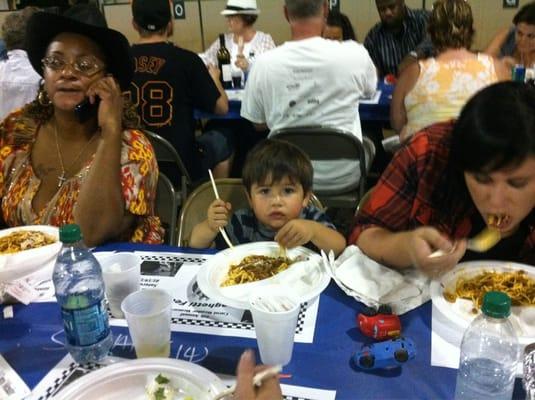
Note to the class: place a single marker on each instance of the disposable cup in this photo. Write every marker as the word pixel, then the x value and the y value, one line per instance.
pixel 121 274
pixel 275 318
pixel 148 314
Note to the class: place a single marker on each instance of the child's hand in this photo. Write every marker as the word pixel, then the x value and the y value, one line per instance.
pixel 218 214
pixel 295 232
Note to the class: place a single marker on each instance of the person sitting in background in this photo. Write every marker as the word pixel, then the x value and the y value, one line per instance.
pixel 18 80
pixel 517 45
pixel 278 179
pixel 168 83
pixel 338 27
pixel 60 166
pixel 310 81
pixel 435 89
pixel 243 42
pixel 451 181
pixel 401 35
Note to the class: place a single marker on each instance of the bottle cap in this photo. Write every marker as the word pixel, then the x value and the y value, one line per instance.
pixel 496 305
pixel 70 233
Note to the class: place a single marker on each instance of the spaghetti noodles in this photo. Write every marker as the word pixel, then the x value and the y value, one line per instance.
pixel 24 240
pixel 517 284
pixel 255 268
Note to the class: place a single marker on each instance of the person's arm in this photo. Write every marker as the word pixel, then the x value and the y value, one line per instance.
pixel 252 106
pixel 221 105
pixel 210 55
pixel 503 68
pixel 204 233
pixel 100 208
pixel 495 45
pixel 398 113
pixel 411 248
pixel 298 232
pixel 245 388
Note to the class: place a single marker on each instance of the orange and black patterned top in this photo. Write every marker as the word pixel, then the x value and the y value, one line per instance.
pixel 19 183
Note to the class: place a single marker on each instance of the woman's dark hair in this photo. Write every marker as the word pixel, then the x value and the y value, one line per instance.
pixel 495 130
pixel 336 18
pixel 273 160
pixel 248 19
pixel 526 14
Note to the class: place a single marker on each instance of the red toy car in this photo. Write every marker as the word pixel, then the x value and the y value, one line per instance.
pixel 379 323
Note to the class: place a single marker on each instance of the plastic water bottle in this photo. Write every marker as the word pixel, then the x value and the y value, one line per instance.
pixel 489 353
pixel 80 293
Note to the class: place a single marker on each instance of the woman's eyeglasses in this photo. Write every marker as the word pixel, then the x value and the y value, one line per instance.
pixel 86 66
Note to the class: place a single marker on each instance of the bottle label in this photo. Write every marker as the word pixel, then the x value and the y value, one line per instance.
pixel 226 73
pixel 85 326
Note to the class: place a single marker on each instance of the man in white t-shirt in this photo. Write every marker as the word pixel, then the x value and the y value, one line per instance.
pixel 19 82
pixel 311 81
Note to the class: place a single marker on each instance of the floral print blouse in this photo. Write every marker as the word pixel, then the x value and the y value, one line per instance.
pixel 19 183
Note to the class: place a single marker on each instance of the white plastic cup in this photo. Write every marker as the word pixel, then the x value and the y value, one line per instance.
pixel 148 314
pixel 275 319
pixel 121 273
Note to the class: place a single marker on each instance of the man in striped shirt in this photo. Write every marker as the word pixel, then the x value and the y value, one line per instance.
pixel 401 33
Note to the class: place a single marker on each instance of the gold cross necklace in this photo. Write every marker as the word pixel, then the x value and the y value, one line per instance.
pixel 63 177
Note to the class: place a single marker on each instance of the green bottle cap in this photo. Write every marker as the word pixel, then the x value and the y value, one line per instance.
pixel 496 305
pixel 70 233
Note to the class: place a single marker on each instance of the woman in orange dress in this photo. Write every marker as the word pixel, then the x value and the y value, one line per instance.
pixel 58 166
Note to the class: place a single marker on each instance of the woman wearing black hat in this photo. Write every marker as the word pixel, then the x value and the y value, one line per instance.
pixel 61 162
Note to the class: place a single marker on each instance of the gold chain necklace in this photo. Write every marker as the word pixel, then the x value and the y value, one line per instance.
pixel 63 177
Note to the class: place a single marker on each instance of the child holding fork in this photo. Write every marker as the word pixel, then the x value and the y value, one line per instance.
pixel 278 179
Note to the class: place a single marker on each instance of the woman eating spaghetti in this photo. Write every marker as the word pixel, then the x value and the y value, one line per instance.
pixel 451 180
pixel 67 157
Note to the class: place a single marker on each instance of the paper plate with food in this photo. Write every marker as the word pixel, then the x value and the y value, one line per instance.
pixel 27 249
pixel 459 293
pixel 231 275
pixel 147 379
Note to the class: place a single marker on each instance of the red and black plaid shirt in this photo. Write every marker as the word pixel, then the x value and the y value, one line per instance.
pixel 401 200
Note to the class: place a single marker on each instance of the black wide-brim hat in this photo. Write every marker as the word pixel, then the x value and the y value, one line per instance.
pixel 43 27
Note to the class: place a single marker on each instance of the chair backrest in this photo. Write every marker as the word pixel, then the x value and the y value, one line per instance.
pixel 322 143
pixel 195 207
pixel 167 208
pixel 165 152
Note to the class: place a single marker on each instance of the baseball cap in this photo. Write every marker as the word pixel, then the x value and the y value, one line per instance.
pixel 151 15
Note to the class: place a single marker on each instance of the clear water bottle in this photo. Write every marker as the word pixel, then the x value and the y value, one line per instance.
pixel 528 379
pixel 489 353
pixel 80 293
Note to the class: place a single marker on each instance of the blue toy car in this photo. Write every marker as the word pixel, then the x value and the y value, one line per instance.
pixel 388 354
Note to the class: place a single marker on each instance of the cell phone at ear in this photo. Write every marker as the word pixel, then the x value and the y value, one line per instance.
pixel 84 111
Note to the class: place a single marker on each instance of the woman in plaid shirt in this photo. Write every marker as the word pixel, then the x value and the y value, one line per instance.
pixel 450 180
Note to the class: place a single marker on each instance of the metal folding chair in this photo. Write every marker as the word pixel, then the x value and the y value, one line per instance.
pixel 165 152
pixel 166 208
pixel 323 143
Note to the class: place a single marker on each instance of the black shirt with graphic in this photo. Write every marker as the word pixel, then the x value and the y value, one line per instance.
pixel 168 84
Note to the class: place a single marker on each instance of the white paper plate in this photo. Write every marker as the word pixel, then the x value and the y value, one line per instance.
pixel 305 279
pixel 128 379
pixel 460 312
pixel 17 265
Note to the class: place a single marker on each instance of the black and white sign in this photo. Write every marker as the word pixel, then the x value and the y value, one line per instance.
pixel 510 3
pixel 179 9
pixel 334 5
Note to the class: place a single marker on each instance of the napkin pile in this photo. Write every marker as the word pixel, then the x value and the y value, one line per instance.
pixel 373 284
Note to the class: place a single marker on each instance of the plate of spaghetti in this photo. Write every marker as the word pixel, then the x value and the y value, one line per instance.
pixel 231 275
pixel 26 249
pixel 459 293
